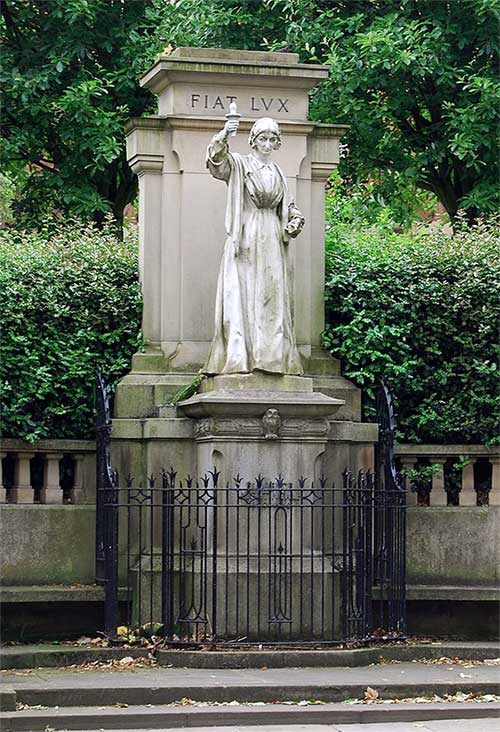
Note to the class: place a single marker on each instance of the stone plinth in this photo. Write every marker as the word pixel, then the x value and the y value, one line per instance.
pixel 256 382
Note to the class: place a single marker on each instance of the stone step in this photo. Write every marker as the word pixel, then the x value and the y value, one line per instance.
pixel 168 685
pixel 157 717
pixel 49 655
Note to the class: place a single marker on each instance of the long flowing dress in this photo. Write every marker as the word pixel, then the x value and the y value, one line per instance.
pixel 253 313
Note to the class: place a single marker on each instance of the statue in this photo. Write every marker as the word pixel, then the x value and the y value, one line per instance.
pixel 253 313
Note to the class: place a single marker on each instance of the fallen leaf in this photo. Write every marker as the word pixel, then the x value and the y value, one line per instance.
pixel 371 694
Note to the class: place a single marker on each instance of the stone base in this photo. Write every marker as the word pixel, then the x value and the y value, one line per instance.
pixel 256 403
pixel 256 381
pixel 253 600
pixel 153 383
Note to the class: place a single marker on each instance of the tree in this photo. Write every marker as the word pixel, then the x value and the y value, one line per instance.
pixel 69 83
pixel 417 82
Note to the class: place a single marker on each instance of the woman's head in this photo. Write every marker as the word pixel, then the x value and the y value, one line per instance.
pixel 265 128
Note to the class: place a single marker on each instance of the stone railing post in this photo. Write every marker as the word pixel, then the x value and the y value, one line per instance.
pixel 77 492
pixel 468 496
pixel 495 480
pixel 438 495
pixel 407 464
pixel 3 490
pixel 22 491
pixel 51 491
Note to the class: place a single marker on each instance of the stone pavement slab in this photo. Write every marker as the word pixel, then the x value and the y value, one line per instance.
pixel 456 725
pixel 55 655
pixel 247 717
pixel 165 685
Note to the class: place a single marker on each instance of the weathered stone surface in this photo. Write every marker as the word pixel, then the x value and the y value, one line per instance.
pixel 255 403
pixel 455 546
pixel 256 381
pixel 47 544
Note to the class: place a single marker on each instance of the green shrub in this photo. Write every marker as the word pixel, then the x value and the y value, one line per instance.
pixel 71 305
pixel 420 308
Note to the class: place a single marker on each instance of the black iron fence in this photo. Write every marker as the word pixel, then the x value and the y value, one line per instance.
pixel 265 562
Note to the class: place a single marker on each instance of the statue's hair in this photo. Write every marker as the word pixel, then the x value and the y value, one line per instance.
pixel 264 124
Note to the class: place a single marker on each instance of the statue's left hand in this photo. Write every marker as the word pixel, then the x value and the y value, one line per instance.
pixel 292 228
pixel 295 221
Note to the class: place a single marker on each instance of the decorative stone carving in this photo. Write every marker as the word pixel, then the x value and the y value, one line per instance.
pixel 230 427
pixel 271 422
pixel 271 427
pixel 203 428
pixel 305 428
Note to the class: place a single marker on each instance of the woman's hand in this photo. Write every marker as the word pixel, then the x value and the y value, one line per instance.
pixel 295 221
pixel 229 129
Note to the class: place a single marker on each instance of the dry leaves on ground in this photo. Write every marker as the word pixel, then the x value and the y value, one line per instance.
pixel 371 695
pixel 466 663
pixel 127 663
pixel 459 696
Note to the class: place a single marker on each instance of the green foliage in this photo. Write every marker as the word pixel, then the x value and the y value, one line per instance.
pixel 416 81
pixel 418 84
pixel 71 305
pixel 420 308
pixel 69 83
pixel 189 390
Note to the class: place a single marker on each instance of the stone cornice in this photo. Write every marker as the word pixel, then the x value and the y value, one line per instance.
pixel 168 69
pixel 187 121
pixel 146 163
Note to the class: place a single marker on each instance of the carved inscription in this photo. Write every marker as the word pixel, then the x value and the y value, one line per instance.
pixel 221 103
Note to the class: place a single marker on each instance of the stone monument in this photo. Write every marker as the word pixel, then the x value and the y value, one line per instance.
pixel 247 314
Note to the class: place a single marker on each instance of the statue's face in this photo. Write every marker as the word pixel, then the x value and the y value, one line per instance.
pixel 266 142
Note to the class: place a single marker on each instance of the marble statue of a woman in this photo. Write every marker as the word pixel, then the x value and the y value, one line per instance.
pixel 253 315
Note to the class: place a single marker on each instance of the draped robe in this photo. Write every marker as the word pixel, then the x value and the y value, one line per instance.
pixel 253 312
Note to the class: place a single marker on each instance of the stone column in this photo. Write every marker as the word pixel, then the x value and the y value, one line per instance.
pixel 148 168
pixel 495 480
pixel 23 491
pixel 468 496
pixel 3 491
pixel 77 492
pixel 438 495
pixel 408 463
pixel 51 491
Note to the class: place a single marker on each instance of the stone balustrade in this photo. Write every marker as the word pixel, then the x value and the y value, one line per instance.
pixel 63 471
pixel 48 472
pixel 462 475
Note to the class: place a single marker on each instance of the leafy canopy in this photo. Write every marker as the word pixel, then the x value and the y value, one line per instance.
pixel 416 81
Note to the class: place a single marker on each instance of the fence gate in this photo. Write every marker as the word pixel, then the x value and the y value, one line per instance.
pixel 253 561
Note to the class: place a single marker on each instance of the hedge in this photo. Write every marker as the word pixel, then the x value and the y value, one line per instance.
pixel 70 305
pixel 420 308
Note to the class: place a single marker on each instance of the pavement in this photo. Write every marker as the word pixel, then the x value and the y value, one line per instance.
pixel 162 698
pixel 165 685
pixel 456 725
